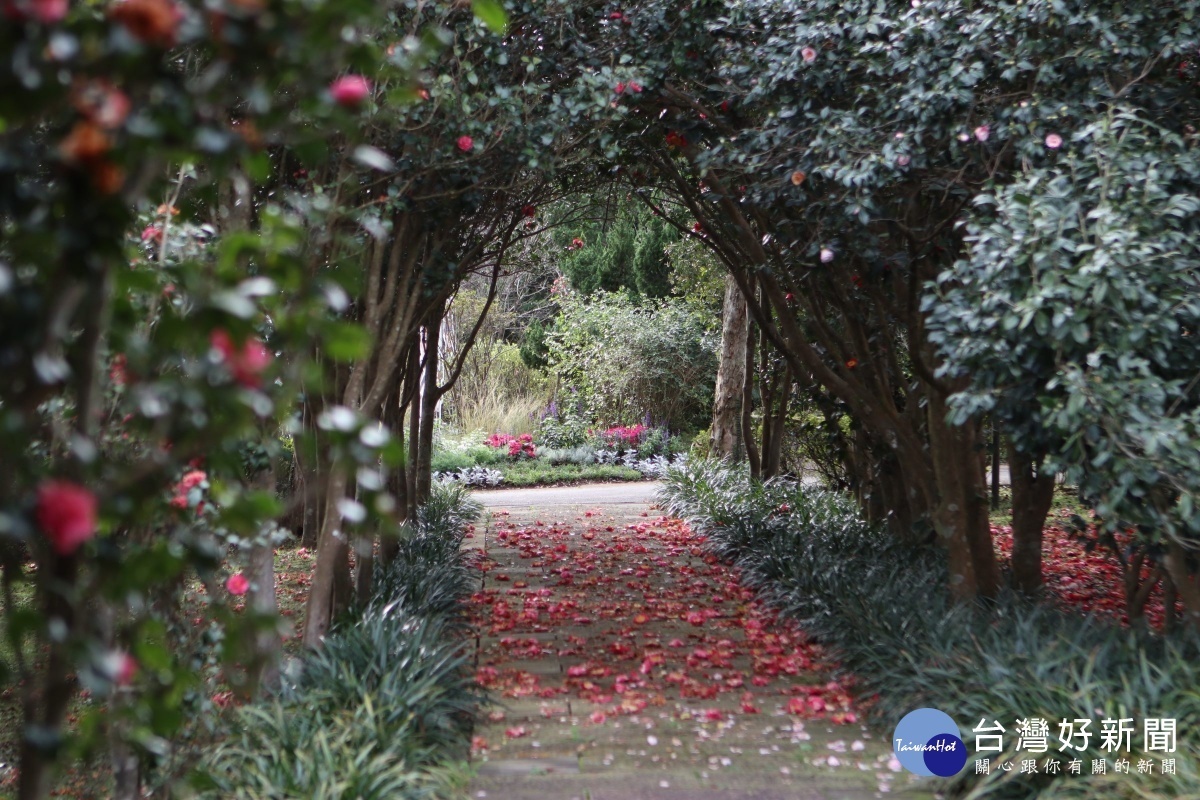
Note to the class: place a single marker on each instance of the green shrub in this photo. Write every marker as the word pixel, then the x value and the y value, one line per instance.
pixel 621 360
pixel 569 432
pixel 884 609
pixel 535 473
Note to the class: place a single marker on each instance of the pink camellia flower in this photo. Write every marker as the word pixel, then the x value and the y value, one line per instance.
pixel 903 161
pixel 191 480
pixel 619 88
pixel 635 87
pixel 102 102
pixel 66 513
pixel 465 143
pixel 350 91
pixel 1054 141
pixel 982 133
pixel 127 667
pixel 237 584
pixel 247 362
pixel 809 55
pixel 152 234
pixel 826 255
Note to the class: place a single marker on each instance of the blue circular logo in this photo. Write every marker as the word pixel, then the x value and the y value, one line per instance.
pixel 928 743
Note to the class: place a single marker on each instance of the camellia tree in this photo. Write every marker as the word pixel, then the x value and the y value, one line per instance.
pixel 830 152
pixel 1074 314
pixel 154 337
pixel 447 171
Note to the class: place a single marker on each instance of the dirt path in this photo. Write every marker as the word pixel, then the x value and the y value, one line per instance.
pixel 631 666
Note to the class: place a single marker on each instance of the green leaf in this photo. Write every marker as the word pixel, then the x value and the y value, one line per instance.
pixel 492 13
pixel 347 342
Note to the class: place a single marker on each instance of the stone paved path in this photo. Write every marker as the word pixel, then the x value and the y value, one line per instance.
pixel 630 666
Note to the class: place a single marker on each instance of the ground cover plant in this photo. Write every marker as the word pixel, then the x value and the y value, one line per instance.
pixel 878 605
pixel 388 705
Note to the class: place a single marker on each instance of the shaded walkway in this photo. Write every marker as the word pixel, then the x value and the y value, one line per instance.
pixel 630 665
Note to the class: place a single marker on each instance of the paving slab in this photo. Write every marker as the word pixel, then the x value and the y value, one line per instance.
pixel 655 673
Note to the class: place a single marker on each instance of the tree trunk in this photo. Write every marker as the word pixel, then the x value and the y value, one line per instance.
pixel 747 422
pixel 726 436
pixel 776 417
pixel 308 482
pixel 960 517
pixel 1175 563
pixel 995 465
pixel 332 552
pixel 1032 494
pixel 389 545
pixel 429 399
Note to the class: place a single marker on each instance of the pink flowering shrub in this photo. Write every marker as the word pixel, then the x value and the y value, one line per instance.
pixel 518 446
pixel 623 437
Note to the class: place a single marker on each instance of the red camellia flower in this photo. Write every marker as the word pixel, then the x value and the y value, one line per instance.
pixel 529 211
pixel 85 144
pixel 66 513
pixel 152 22
pixel 465 143
pixel 619 88
pixel 676 139
pixel 852 363
pixel 350 91
pixel 237 584
pixel 635 87
pixel 247 362
pixel 44 11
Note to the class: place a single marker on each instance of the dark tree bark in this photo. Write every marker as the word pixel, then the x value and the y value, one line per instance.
pixel 747 421
pixel 1032 495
